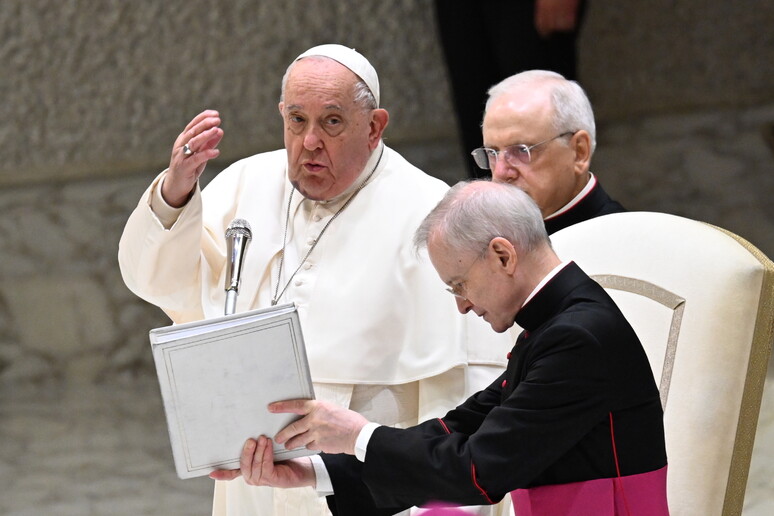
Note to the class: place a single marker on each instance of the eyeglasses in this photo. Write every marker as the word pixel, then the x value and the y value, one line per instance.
pixel 457 288
pixel 515 155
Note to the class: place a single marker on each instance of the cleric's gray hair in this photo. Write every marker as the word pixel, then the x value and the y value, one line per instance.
pixel 362 97
pixel 572 108
pixel 472 213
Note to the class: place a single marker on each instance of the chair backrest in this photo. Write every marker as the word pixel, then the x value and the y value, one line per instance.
pixel 701 300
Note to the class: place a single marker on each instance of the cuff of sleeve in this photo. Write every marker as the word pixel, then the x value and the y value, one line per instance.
pixel 362 440
pixel 166 214
pixel 324 487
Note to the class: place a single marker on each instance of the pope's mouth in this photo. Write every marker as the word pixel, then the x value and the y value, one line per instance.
pixel 313 167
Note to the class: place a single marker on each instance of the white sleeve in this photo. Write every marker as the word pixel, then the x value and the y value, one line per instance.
pixel 362 440
pixel 324 487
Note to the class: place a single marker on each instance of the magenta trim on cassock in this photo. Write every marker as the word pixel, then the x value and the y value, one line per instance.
pixel 644 493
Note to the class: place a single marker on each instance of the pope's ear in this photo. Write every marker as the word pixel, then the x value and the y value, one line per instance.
pixel 379 120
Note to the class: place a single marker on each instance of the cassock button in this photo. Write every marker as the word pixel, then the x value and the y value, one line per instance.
pixel 505 382
pixel 508 356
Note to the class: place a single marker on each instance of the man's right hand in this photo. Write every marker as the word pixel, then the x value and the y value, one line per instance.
pixel 202 134
pixel 556 16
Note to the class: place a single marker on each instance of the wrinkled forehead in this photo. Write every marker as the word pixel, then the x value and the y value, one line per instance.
pixel 522 103
pixel 442 258
pixel 518 115
pixel 323 78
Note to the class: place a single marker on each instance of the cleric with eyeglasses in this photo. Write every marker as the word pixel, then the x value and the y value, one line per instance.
pixel 539 134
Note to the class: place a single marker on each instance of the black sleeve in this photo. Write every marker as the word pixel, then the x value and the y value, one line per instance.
pixel 467 418
pixel 557 402
pixel 351 496
pixel 553 425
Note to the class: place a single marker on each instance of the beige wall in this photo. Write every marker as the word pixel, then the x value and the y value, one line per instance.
pixel 95 91
pixel 102 87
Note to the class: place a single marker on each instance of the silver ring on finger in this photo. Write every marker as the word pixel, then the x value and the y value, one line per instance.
pixel 187 151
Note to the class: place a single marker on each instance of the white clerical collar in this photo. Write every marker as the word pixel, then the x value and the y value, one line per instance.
pixel 545 280
pixel 575 200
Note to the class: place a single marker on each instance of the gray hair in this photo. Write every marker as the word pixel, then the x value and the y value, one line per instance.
pixel 472 213
pixel 362 95
pixel 572 108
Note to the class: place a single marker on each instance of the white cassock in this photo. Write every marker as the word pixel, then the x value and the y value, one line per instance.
pixel 382 336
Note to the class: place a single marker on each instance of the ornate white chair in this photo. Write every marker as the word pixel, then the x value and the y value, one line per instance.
pixel 701 300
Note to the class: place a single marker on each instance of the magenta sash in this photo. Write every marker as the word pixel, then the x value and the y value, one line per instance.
pixel 634 495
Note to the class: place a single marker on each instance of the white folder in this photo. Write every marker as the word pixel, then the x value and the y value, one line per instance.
pixel 217 377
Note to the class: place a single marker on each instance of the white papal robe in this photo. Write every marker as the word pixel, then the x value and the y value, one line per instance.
pixel 382 335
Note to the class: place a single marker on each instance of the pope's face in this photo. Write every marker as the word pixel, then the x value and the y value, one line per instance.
pixel 328 137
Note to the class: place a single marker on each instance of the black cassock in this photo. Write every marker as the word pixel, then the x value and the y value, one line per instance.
pixel 545 421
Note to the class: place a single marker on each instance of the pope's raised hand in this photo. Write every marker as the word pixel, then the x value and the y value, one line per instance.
pixel 193 148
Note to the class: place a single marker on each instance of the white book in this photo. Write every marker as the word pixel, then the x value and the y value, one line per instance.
pixel 217 377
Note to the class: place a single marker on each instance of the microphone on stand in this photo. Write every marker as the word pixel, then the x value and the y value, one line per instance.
pixel 238 235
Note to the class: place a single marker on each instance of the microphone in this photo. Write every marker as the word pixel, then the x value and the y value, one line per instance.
pixel 238 235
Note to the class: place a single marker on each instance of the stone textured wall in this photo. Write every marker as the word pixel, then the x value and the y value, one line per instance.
pixel 64 312
pixel 95 91
pixel 98 87
pixel 103 87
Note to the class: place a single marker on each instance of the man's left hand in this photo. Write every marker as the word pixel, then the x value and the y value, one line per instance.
pixel 325 426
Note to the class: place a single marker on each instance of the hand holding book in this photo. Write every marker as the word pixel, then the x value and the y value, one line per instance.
pixel 217 378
